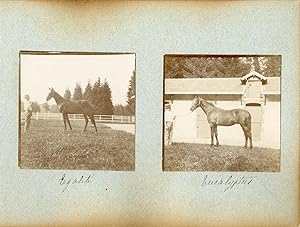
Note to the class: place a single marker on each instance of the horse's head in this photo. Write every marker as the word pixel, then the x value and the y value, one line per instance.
pixel 197 101
pixel 50 95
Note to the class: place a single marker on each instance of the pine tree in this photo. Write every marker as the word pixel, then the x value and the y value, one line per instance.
pixel 271 65
pixel 96 96
pixel 256 63
pixel 207 66
pixel 131 95
pixel 88 93
pixel 67 94
pixel 106 104
pixel 121 110
pixel 77 95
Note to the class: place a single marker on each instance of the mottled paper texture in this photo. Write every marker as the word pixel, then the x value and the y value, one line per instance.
pixel 148 195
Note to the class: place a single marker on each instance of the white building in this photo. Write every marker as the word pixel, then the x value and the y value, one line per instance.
pixel 258 94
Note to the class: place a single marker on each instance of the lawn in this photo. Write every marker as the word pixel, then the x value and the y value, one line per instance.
pixel 203 157
pixel 48 146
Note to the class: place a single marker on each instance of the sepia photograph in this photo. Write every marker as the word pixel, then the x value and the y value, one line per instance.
pixel 221 113
pixel 76 110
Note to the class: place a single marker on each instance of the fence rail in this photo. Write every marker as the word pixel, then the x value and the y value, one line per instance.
pixel 79 117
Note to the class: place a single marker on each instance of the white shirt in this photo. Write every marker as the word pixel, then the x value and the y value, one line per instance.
pixel 169 116
pixel 27 105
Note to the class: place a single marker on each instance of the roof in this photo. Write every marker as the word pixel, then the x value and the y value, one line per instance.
pixel 272 87
pixel 216 86
pixel 254 74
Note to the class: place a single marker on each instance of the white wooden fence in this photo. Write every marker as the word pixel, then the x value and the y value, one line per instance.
pixel 77 117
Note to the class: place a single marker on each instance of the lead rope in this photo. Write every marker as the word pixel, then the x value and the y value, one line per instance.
pixel 183 115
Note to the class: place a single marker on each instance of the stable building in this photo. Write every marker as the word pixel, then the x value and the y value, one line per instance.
pixel 258 94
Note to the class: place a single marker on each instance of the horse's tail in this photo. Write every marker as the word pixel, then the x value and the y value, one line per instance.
pixel 248 121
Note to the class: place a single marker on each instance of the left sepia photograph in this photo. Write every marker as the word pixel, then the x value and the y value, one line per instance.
pixel 76 110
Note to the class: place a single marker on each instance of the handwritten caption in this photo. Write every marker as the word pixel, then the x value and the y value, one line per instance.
pixel 65 181
pixel 228 183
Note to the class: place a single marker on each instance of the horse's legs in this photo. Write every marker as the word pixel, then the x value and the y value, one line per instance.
pixel 91 116
pixel 216 135
pixel 246 137
pixel 250 138
pixel 86 121
pixel 212 135
pixel 67 117
pixel 64 117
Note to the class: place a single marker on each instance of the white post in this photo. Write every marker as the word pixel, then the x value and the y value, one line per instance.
pixel 121 119
pixel 128 119
pixel 37 115
pixel 112 118
pixel 74 117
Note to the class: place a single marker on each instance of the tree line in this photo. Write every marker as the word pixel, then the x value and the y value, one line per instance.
pixel 99 94
pixel 189 66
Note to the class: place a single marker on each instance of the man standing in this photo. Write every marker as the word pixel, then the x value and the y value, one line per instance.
pixel 169 118
pixel 28 112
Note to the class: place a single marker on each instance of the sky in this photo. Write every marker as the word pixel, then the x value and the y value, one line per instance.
pixel 39 72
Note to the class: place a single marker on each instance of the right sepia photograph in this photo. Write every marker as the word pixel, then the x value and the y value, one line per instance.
pixel 221 113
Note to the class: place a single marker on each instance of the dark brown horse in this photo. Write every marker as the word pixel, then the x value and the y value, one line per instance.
pixel 73 107
pixel 217 116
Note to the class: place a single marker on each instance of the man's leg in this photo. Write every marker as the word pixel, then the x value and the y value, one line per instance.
pixel 168 132
pixel 171 133
pixel 26 121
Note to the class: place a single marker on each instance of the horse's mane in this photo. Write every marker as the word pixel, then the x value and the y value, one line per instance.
pixel 60 95
pixel 209 103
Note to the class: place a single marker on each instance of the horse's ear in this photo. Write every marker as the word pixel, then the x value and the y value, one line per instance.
pixel 49 88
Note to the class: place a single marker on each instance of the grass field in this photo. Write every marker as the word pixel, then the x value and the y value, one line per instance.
pixel 203 157
pixel 48 146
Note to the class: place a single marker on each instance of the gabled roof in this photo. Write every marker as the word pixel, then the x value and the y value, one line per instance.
pixel 204 86
pixel 254 74
pixel 216 86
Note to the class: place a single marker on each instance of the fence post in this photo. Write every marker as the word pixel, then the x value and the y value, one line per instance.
pixel 37 115
pixel 74 117
pixel 121 119
pixel 112 118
